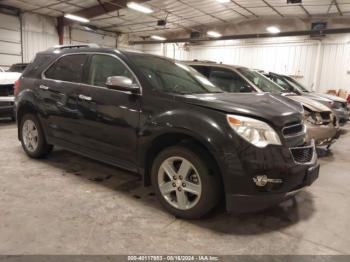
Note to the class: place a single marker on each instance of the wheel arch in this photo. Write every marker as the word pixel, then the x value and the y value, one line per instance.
pixel 22 109
pixel 186 139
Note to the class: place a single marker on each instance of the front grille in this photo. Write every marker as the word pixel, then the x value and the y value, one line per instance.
pixel 6 90
pixel 302 154
pixel 292 130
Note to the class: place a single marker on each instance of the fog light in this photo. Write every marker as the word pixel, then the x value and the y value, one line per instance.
pixel 263 180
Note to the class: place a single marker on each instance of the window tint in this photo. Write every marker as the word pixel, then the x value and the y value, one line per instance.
pixel 204 70
pixel 104 66
pixel 229 81
pixel 170 77
pixel 19 68
pixel 260 81
pixel 68 68
pixel 296 84
pixel 283 84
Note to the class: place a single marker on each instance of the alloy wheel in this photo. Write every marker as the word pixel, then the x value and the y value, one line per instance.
pixel 179 183
pixel 30 135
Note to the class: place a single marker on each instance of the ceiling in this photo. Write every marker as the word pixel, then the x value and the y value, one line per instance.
pixel 188 15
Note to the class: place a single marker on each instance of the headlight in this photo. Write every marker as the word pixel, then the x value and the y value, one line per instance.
pixel 254 131
pixel 313 118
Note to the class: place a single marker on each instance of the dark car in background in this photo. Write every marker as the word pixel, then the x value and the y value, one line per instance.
pixel 321 125
pixel 18 68
pixel 337 104
pixel 162 119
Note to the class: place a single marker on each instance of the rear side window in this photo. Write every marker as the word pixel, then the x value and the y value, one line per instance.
pixel 68 68
pixel 104 66
pixel 229 81
pixel 35 68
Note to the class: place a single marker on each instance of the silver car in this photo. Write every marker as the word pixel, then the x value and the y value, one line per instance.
pixel 319 119
pixel 337 104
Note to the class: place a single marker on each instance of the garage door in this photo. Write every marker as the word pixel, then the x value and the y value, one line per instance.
pixel 10 40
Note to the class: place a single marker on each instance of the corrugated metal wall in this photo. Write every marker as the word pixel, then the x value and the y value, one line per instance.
pixel 79 36
pixel 291 57
pixel 10 40
pixel 319 65
pixel 39 33
pixel 335 66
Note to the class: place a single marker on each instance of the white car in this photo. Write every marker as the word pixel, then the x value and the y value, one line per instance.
pixel 7 81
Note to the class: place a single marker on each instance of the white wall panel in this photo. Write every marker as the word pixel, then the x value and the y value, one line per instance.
pixel 10 40
pixel 295 58
pixel 81 37
pixel 335 71
pixel 39 33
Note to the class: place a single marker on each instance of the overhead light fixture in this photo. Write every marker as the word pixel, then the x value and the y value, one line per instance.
pixel 157 37
pixel 273 30
pixel 214 34
pixel 138 7
pixel 77 18
pixel 223 1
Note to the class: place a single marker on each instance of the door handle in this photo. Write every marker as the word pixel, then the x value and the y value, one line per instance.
pixel 83 97
pixel 43 87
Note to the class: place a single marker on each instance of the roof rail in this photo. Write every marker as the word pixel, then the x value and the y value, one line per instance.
pixel 61 47
pixel 204 61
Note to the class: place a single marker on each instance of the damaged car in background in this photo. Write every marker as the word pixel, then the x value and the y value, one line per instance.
pixel 337 104
pixel 319 119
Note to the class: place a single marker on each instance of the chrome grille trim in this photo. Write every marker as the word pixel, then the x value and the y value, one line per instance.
pixel 313 156
pixel 302 127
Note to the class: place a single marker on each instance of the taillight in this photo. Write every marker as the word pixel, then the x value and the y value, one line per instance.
pixel 16 87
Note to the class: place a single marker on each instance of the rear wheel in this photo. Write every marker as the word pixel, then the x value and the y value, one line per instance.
pixel 183 182
pixel 33 138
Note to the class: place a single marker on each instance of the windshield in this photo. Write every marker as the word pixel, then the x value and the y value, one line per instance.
pixel 295 84
pixel 172 77
pixel 261 82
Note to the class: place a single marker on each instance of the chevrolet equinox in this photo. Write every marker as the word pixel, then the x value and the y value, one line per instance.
pixel 195 144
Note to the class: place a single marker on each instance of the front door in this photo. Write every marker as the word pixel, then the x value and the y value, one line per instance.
pixel 111 117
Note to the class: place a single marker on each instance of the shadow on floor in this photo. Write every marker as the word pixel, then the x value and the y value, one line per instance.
pixel 324 152
pixel 6 122
pixel 284 215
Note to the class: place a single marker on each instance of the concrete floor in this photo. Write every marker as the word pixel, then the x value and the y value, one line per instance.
pixel 67 204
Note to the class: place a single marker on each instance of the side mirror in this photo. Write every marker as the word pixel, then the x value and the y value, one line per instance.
pixel 121 83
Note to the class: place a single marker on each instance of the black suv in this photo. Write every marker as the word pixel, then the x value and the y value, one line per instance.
pixel 150 115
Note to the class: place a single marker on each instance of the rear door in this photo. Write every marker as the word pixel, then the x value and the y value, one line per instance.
pixel 58 92
pixel 110 117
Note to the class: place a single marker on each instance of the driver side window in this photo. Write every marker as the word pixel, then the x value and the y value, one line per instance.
pixel 229 81
pixel 104 66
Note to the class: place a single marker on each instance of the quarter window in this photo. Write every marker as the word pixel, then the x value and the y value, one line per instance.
pixel 104 66
pixel 68 68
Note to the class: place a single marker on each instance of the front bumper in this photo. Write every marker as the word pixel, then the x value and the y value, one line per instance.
pixel 323 135
pixel 288 170
pixel 7 106
pixel 253 203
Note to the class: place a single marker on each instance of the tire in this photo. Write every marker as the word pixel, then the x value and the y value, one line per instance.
pixel 34 144
pixel 204 186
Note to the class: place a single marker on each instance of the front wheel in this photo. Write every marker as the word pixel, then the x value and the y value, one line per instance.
pixel 33 138
pixel 185 183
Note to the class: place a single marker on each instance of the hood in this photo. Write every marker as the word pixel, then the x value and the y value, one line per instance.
pixel 310 104
pixel 330 97
pixel 273 108
pixel 9 78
